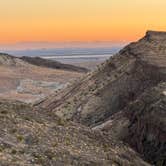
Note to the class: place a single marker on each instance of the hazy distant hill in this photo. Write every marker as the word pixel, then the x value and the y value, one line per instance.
pixel 30 79
pixel 52 64
pixel 92 56
pixel 64 51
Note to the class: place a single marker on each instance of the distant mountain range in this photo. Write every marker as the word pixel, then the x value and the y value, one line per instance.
pixel 63 51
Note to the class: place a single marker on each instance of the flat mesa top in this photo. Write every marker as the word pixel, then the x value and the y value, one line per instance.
pixel 156 35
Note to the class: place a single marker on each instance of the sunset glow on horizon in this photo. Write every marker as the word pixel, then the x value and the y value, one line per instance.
pixel 79 20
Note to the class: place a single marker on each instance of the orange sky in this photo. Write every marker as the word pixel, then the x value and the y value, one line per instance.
pixel 79 20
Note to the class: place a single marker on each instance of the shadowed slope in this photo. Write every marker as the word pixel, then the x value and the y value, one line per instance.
pixel 142 124
pixel 53 64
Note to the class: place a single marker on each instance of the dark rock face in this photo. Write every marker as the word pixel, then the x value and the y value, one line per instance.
pixel 147 128
pixel 53 64
pixel 142 125
pixel 112 98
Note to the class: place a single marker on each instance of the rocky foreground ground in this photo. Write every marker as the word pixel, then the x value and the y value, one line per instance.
pixel 36 137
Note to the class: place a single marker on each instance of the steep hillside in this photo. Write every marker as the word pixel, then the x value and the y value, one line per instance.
pixel 117 82
pixel 35 137
pixel 142 124
pixel 112 98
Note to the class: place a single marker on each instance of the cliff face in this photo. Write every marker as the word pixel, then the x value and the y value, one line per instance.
pixel 112 98
pixel 147 127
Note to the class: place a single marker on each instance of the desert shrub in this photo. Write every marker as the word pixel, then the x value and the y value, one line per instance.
pixel 20 138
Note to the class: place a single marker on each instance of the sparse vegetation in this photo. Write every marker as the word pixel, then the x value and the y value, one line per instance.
pixel 61 122
pixel 13 151
pixel 20 138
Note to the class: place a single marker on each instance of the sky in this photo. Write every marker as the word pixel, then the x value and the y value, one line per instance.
pixel 79 20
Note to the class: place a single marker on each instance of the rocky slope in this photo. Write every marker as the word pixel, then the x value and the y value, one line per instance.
pixel 117 82
pixel 36 137
pixel 142 124
pixel 108 91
